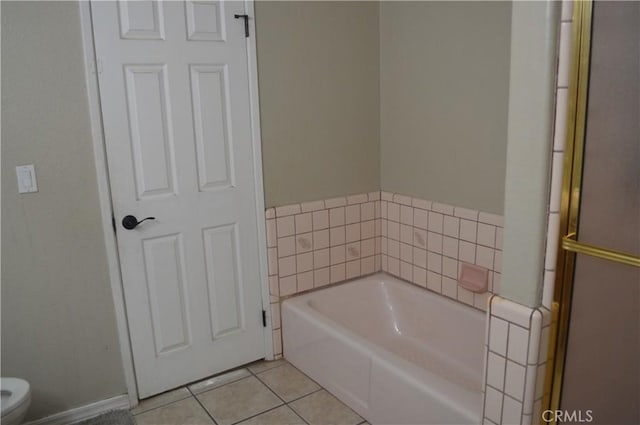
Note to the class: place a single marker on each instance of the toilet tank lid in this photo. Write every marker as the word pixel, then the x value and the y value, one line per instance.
pixel 14 392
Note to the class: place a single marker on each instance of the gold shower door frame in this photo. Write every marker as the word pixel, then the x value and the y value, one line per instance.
pixel 570 206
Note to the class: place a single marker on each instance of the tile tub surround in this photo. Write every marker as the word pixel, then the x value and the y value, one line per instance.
pixel 317 243
pixel 423 242
pixel 516 357
pixel 426 242
pixel 314 244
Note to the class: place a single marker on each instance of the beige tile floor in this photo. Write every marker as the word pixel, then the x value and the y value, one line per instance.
pixel 262 393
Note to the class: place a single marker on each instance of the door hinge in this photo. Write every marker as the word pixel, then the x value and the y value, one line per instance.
pixel 246 23
pixel 264 318
pixel 113 223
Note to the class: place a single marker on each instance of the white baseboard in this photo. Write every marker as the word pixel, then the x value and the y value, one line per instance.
pixel 84 412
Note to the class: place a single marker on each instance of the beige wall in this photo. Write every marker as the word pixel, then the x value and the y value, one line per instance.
pixel 444 85
pixel 319 103
pixel 58 324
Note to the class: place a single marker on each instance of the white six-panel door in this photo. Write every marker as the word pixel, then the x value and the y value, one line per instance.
pixel 174 89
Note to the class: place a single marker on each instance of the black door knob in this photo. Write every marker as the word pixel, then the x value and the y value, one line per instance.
pixel 130 222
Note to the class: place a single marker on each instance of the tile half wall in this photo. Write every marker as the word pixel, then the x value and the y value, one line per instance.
pixel 320 243
pixel 324 242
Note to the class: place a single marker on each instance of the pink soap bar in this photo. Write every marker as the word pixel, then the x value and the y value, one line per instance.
pixel 474 278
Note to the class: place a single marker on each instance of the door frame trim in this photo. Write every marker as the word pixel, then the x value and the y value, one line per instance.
pixel 106 205
pixel 104 196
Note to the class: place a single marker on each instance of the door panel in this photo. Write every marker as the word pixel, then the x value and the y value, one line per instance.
pixel 166 285
pixel 174 90
pixel 224 280
pixel 210 94
pixel 147 90
pixel 205 20
pixel 141 20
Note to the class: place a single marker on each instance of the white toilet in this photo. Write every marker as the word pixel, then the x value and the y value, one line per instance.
pixel 16 397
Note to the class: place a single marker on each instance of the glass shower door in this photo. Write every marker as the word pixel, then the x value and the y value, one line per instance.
pixel 601 376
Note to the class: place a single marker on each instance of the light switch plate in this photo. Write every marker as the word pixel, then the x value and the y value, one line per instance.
pixel 26 179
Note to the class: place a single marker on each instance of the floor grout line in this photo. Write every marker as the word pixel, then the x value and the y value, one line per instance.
pixel 269 388
pixel 258 414
pixel 298 414
pixel 277 395
pixel 301 397
pixel 269 410
pixel 202 405
pixel 255 375
pixel 205 410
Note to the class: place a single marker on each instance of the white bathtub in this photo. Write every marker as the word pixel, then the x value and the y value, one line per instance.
pixel 393 352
